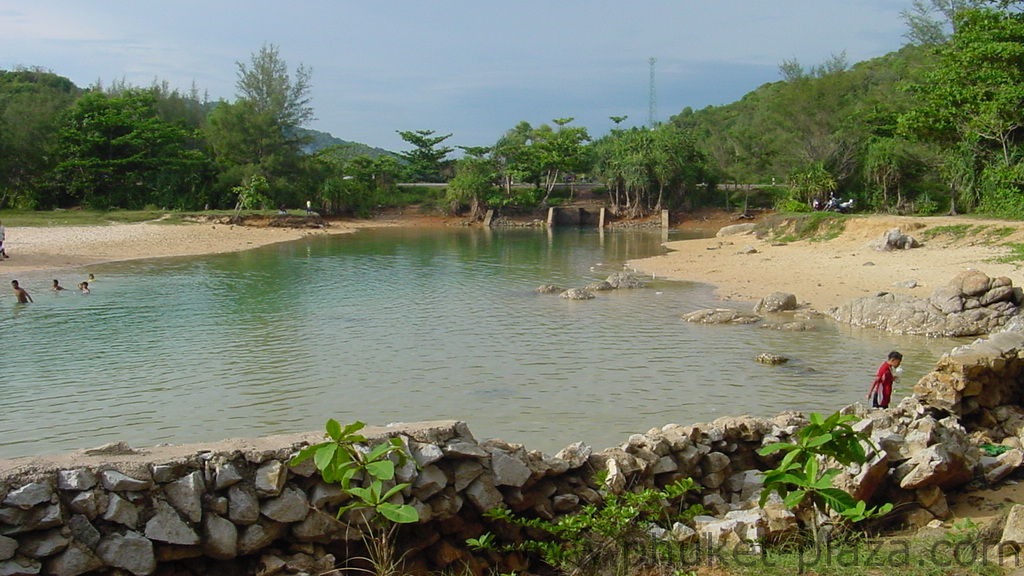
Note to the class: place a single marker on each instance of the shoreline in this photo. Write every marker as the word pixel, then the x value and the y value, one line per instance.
pixel 827 274
pixel 743 268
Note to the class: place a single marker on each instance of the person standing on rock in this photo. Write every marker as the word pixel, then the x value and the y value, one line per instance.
pixel 881 388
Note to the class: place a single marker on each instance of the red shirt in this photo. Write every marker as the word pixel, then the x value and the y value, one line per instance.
pixel 883 382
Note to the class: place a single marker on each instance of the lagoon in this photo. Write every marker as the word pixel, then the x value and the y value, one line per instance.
pixel 405 324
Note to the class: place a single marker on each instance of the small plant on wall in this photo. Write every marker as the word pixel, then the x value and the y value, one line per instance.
pixel 366 474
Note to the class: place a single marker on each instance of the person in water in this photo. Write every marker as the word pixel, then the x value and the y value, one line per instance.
pixel 84 287
pixel 881 388
pixel 20 293
pixel 56 286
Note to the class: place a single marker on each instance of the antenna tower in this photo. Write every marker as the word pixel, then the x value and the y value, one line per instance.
pixel 652 105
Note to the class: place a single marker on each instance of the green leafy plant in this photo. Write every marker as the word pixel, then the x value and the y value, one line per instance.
pixel 599 536
pixel 344 458
pixel 803 475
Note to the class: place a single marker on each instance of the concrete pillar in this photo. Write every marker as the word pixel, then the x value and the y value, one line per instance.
pixel 551 216
pixel 600 219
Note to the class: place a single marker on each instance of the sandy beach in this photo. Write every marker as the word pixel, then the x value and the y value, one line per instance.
pixel 825 274
pixel 34 249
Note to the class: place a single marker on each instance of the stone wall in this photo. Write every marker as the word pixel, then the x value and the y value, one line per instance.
pixel 237 507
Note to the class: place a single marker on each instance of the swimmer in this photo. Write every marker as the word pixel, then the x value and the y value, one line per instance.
pixel 20 293
pixel 84 287
pixel 56 286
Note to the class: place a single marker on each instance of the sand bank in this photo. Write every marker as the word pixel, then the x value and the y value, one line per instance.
pixel 828 273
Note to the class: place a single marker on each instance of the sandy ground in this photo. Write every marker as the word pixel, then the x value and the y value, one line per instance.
pixel 826 274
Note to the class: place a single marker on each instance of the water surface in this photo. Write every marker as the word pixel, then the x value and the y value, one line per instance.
pixel 404 325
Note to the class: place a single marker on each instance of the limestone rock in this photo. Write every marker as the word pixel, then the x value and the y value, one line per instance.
pixel 577 294
pixel 776 302
pixel 131 552
pixel 721 316
pixel 620 280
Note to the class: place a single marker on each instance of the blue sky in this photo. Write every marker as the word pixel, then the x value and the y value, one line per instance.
pixel 473 68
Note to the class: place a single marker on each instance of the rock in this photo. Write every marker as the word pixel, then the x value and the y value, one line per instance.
pixel 721 316
pixel 29 495
pixel 290 506
pixel 118 482
pixel 620 280
pixel 954 310
pixel 185 494
pixel 43 544
pixel 771 359
pixel 575 455
pixel 80 479
pixel 220 538
pixel 131 552
pixel 74 560
pixel 895 239
pixel 270 478
pixel 225 475
pixel 167 526
pixel 122 512
pixel 1013 530
pixel 776 302
pixel 508 470
pixel 243 507
pixel 549 289
pixel 601 286
pixel 258 536
pixel 483 495
pixel 430 481
pixel 7 547
pixel 736 229
pixel 577 294
pixel 936 465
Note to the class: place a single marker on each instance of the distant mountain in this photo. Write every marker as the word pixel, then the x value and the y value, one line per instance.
pixel 320 140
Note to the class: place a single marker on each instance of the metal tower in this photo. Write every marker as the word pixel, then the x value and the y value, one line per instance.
pixel 652 109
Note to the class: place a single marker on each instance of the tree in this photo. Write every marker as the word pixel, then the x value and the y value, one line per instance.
pixel 971 103
pixel 116 152
pixel 933 22
pixel 426 161
pixel 31 103
pixel 559 151
pixel 473 182
pixel 258 133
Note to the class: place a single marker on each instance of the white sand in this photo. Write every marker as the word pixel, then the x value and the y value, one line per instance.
pixel 829 273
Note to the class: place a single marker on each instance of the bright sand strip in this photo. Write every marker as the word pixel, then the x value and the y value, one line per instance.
pixel 829 273
pixel 34 249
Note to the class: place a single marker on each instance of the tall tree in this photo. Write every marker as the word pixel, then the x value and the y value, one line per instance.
pixel 258 133
pixel 427 161
pixel 933 22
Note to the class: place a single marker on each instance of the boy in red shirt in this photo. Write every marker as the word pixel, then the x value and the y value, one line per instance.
pixel 881 388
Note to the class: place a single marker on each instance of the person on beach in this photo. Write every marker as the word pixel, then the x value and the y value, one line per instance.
pixel 881 388
pixel 20 293
pixel 56 286
pixel 3 235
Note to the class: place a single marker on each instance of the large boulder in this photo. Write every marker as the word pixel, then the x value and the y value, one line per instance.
pixel 776 302
pixel 971 304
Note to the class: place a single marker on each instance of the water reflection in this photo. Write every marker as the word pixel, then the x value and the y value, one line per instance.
pixel 404 325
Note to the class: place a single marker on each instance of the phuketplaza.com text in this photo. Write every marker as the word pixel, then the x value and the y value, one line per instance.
pixel 882 553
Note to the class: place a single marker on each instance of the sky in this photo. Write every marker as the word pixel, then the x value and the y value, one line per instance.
pixel 471 68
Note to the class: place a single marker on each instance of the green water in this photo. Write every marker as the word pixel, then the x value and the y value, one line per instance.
pixel 403 325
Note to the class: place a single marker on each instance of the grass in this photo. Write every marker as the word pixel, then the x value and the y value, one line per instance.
pixel 81 217
pixel 1015 255
pixel 981 232
pixel 813 226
